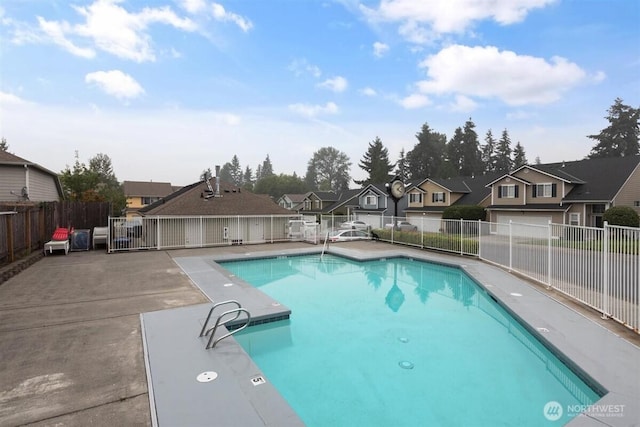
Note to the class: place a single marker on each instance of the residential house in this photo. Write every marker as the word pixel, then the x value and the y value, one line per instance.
pixel 317 202
pixel 430 197
pixel 143 193
pixel 293 202
pixel 372 199
pixel 575 193
pixel 25 181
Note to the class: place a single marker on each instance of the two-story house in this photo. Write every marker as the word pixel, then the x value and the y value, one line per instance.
pixel 293 202
pixel 142 193
pixel 575 193
pixel 430 197
pixel 317 202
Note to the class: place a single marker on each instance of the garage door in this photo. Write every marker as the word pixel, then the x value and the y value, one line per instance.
pixel 524 225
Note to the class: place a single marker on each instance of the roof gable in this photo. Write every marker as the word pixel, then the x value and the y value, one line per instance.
pixel 147 188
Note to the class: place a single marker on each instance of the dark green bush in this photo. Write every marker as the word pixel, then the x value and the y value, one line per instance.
pixel 469 212
pixel 622 215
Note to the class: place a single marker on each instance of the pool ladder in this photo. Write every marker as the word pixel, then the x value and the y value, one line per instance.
pixel 219 322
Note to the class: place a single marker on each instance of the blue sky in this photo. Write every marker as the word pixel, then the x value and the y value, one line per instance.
pixel 169 88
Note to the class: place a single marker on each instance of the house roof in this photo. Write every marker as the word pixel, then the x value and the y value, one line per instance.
pixel 344 198
pixel 233 200
pixel 296 198
pixel 599 179
pixel 147 188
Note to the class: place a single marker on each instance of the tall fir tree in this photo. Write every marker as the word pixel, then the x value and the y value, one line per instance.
pixel 503 160
pixel 427 156
pixel 471 164
pixel 402 166
pixel 454 155
pixel 376 163
pixel 519 156
pixel 488 152
pixel 622 136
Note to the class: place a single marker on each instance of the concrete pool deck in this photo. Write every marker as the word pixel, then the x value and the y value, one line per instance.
pixel 72 351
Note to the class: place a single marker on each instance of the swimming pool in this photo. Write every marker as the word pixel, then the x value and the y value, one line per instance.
pixel 400 342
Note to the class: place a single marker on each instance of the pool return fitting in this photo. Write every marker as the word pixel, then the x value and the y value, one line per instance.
pixel 219 322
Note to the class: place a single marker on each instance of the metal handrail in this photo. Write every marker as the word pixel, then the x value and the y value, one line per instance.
pixel 324 246
pixel 206 322
pixel 213 343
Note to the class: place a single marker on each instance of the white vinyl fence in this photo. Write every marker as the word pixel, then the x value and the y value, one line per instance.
pixel 599 267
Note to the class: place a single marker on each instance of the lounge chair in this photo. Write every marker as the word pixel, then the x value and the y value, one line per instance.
pixel 59 241
pixel 100 236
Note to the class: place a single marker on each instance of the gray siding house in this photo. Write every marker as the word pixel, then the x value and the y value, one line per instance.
pixel 25 181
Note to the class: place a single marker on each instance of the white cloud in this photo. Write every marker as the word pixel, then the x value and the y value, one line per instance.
pixel 414 101
pixel 309 110
pixel 464 104
pixel 220 14
pixel 301 66
pixel 379 49
pixel 490 73
pixel 10 99
pixel 367 91
pixel 418 18
pixel 336 84
pixel 193 6
pixel 107 26
pixel 115 83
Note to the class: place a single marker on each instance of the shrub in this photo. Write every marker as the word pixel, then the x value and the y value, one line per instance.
pixel 622 215
pixel 469 212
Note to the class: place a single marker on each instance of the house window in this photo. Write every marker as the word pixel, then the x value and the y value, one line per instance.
pixel 509 191
pixel 598 209
pixel 544 190
pixel 636 203
pixel 149 200
pixel 317 203
pixel 307 205
pixel 574 219
pixel 415 198
pixel 437 197
pixel 370 200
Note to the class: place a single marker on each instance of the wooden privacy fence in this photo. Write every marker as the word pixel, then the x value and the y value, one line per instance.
pixel 26 227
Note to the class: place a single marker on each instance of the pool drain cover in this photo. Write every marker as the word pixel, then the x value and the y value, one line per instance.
pixel 403 340
pixel 206 377
pixel 405 364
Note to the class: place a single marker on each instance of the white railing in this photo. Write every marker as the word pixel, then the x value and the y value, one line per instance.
pixel 599 267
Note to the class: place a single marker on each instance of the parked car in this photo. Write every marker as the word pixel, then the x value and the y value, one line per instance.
pixel 403 226
pixel 348 235
pixel 355 225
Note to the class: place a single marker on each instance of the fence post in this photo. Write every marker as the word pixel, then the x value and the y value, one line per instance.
pixel 461 236
pixel 479 238
pixel 549 258
pixel 605 271
pixel 510 245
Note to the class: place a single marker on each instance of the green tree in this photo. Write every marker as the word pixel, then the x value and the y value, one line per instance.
pixel 622 136
pixel 95 183
pixel 376 163
pixel 277 185
pixel 454 152
pixel 4 146
pixel 267 168
pixel 328 170
pixel 426 158
pixel 503 153
pixel 471 163
pixel 402 166
pixel 232 172
pixel 247 179
pixel 488 152
pixel 519 156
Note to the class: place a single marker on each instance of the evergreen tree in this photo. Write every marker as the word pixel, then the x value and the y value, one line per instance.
pixel 454 152
pixel 4 146
pixel 503 160
pixel 376 163
pixel 402 166
pixel 471 164
pixel 622 136
pixel 427 156
pixel 488 152
pixel 247 179
pixel 519 156
pixel 267 168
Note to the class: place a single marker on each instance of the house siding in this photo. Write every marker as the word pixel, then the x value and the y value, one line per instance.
pixel 11 179
pixel 430 188
pixel 522 192
pixel 630 191
pixel 42 187
pixel 534 178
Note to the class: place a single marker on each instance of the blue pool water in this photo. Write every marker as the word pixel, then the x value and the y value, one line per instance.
pixel 400 342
